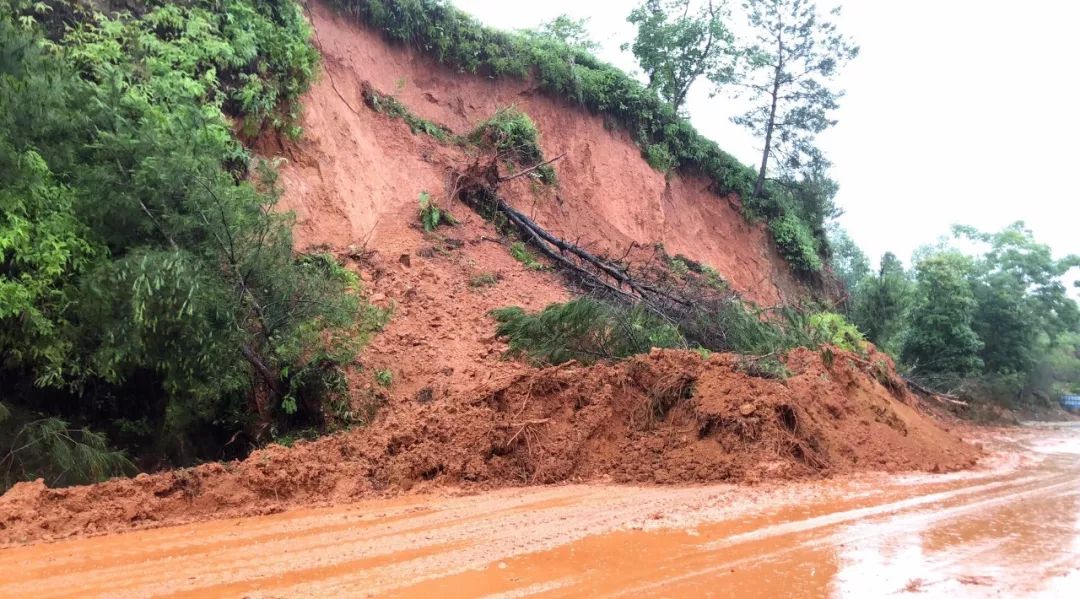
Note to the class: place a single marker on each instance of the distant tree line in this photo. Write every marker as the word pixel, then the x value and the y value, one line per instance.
pixel 998 324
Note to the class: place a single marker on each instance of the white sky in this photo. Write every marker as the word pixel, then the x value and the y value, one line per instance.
pixel 957 111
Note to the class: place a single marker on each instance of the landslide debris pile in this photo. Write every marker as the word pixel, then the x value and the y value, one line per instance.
pixel 666 417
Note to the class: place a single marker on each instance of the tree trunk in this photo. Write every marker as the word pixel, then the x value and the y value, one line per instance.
pixel 263 406
pixel 759 185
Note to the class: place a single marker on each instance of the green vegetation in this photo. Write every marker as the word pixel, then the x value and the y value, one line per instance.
pixel 567 30
pixel 675 46
pixel 48 448
pixel 589 329
pixel 384 378
pixel 585 330
pixel 994 325
pixel 881 302
pixel 848 263
pixel 457 40
pixel 391 107
pixel 793 56
pixel 431 216
pixel 514 138
pixel 522 254
pixel 149 289
pixel 796 242
pixel 834 329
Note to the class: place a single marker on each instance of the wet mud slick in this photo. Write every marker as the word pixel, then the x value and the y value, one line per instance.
pixel 1010 528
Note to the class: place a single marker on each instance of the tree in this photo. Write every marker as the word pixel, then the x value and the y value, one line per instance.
pixel 568 30
pixel 848 263
pixel 676 45
pixel 148 286
pixel 940 341
pixel 786 71
pixel 42 243
pixel 881 304
pixel 1023 307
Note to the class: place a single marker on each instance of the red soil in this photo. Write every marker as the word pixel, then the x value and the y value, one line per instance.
pixel 354 178
pixel 667 417
pixel 457 413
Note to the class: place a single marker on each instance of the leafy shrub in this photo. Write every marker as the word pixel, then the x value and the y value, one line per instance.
pixel 252 59
pixel 431 216
pixel 659 157
pixel 513 136
pixel 796 243
pixel 155 294
pixel 834 329
pixel 585 330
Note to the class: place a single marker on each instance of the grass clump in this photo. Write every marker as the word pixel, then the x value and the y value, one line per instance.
pixel 384 378
pixel 390 106
pixel 515 139
pixel 522 254
pixel 585 330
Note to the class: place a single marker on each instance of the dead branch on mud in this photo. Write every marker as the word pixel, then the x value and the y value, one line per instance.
pixel 942 397
pixel 915 386
pixel 530 169
pixel 477 186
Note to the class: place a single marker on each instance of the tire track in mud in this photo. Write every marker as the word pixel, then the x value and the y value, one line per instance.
pixel 572 540
pixel 819 532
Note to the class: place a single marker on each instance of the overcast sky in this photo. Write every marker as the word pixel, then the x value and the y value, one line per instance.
pixel 957 111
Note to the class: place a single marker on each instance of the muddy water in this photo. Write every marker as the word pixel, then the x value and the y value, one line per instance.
pixel 1009 529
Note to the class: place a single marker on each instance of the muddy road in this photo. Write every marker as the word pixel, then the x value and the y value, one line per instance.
pixel 1011 528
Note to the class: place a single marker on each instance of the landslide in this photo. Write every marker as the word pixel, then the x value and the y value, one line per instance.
pixel 352 178
pixel 666 417
pixel 456 412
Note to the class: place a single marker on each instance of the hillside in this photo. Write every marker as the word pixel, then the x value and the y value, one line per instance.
pixel 435 398
pixel 354 178
pixel 356 174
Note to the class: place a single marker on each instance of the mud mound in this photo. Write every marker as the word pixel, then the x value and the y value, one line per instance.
pixel 667 417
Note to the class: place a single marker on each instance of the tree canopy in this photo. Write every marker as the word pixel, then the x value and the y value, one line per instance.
pixel 148 287
pixel 787 71
pixel 677 44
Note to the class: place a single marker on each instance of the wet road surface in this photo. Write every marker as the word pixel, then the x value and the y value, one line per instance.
pixel 1009 529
